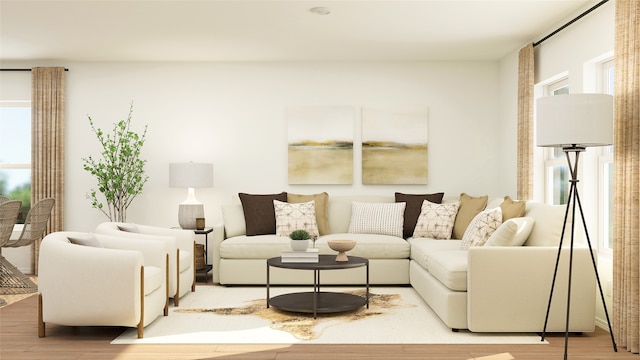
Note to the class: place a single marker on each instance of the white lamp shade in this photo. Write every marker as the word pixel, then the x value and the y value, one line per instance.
pixel 581 120
pixel 190 175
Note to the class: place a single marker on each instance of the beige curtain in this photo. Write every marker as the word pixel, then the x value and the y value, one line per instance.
pixel 525 122
pixel 47 145
pixel 626 258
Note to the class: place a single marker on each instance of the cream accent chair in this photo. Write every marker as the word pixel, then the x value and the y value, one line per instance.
pixel 101 280
pixel 179 244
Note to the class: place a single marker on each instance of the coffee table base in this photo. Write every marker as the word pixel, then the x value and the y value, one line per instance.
pixel 328 302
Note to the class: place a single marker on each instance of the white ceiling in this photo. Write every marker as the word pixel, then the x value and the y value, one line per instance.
pixel 266 30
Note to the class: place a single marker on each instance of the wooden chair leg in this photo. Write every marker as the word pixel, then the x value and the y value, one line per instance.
pixel 141 323
pixel 166 280
pixel 176 298
pixel 193 284
pixel 41 325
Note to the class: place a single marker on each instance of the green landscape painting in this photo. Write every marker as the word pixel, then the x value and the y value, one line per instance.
pixel 320 145
pixel 394 147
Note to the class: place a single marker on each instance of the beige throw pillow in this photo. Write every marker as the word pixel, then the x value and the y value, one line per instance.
pixel 436 220
pixel 322 208
pixel 512 208
pixel 470 206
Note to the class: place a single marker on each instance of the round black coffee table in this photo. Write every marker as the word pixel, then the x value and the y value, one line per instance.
pixel 319 302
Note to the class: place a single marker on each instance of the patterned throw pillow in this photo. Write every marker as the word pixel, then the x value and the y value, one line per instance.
pixel 300 216
pixel 436 220
pixel 377 218
pixel 481 228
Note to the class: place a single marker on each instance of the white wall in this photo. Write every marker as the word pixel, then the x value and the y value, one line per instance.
pixel 233 115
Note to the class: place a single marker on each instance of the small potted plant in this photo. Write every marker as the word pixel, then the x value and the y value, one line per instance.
pixel 299 240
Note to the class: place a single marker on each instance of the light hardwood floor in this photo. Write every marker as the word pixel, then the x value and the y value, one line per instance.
pixel 19 340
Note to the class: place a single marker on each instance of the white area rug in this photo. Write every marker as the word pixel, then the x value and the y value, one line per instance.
pixel 397 315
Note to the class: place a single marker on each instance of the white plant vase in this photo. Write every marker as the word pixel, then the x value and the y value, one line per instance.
pixel 299 245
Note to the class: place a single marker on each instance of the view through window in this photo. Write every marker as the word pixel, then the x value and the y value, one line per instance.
pixel 15 153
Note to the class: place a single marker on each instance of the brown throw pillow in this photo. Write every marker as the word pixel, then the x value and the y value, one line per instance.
pixel 321 205
pixel 512 208
pixel 259 213
pixel 413 208
pixel 470 206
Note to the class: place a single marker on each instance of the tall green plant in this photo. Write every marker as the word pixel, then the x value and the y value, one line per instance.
pixel 119 171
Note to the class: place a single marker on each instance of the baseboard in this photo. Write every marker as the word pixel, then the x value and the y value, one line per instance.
pixel 602 323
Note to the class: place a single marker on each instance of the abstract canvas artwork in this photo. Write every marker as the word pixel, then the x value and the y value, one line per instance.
pixel 320 144
pixel 394 146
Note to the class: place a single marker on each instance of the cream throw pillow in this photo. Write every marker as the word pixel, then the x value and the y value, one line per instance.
pixel 513 232
pixel 377 218
pixel 300 216
pixel 85 240
pixel 436 220
pixel 481 228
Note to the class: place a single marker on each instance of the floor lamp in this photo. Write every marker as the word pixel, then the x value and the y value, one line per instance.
pixel 575 122
pixel 190 176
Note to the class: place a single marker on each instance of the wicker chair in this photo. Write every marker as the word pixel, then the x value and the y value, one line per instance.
pixel 35 224
pixel 8 214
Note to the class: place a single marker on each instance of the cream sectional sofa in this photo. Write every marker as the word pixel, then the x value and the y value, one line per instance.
pixel 483 289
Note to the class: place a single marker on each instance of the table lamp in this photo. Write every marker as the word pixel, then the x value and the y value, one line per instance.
pixel 575 122
pixel 190 175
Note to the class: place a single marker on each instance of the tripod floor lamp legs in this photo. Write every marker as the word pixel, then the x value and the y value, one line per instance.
pixel 573 200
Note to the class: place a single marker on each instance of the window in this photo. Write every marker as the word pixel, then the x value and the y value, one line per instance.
pixel 15 153
pixel 556 169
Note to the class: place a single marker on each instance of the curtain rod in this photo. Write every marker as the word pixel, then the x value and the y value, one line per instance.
pixel 65 69
pixel 570 22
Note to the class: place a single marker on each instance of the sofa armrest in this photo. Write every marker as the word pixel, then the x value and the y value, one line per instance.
pixel 507 283
pixel 214 246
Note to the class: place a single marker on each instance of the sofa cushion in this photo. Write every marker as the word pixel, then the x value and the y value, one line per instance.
pixel 377 218
pixel 470 206
pixel 321 207
pixel 299 216
pixel 233 218
pixel 513 232
pixel 512 208
pixel 481 228
pixel 436 220
pixel 254 247
pixel 370 246
pixel 443 259
pixel 259 214
pixel 413 209
pixel 185 260
pixel 153 279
